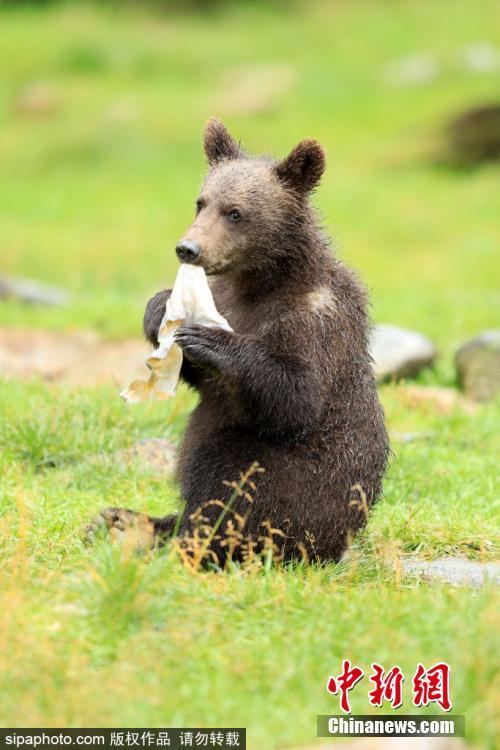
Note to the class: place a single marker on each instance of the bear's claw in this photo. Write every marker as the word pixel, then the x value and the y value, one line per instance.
pixel 118 522
pixel 203 345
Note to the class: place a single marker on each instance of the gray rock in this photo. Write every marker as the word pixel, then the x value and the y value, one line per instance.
pixel 399 353
pixel 32 292
pixel 478 366
pixel 454 570
pixel 156 454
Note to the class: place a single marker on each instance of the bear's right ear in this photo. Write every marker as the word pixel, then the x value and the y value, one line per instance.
pixel 302 168
pixel 218 143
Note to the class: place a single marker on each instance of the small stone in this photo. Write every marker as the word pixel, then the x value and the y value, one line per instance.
pixel 32 292
pixel 153 455
pixel 399 353
pixel 478 366
pixel 454 570
pixel 156 454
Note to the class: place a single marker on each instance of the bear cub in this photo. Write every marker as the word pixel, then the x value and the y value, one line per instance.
pixel 292 386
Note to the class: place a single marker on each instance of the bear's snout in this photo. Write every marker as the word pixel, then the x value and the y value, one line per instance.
pixel 188 251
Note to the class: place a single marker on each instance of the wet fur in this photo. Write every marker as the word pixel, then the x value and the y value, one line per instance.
pixel 292 387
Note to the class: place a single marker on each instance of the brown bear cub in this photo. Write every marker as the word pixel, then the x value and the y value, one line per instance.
pixel 292 386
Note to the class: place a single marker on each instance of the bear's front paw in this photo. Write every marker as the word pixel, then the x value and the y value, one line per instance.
pixel 204 346
pixel 121 523
pixel 153 315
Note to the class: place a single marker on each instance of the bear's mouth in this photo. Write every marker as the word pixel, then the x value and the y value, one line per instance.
pixel 217 269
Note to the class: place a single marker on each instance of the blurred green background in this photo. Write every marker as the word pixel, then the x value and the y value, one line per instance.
pixel 102 108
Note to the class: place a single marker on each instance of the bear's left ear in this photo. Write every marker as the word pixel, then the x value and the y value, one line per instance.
pixel 218 143
pixel 303 167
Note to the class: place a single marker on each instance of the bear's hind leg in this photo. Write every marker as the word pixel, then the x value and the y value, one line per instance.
pixel 147 531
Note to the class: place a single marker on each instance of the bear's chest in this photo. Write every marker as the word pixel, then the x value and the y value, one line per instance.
pixel 244 316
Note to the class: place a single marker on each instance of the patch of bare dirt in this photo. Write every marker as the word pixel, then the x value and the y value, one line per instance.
pixel 38 98
pixel 439 399
pixel 80 358
pixel 84 358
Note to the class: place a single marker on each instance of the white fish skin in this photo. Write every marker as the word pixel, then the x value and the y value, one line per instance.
pixel 191 303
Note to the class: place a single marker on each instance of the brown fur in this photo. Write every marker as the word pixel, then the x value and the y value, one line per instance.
pixel 292 387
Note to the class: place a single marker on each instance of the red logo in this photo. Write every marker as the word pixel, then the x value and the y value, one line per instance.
pixel 388 686
pixel 429 685
pixel 432 686
pixel 343 683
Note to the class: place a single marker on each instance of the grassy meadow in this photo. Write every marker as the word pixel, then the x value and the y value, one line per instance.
pixel 97 182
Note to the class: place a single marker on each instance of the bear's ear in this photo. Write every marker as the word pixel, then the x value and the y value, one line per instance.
pixel 218 143
pixel 303 167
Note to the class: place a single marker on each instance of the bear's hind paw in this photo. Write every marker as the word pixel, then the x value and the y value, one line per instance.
pixel 122 525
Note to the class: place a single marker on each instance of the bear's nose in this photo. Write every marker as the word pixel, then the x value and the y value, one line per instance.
pixel 188 251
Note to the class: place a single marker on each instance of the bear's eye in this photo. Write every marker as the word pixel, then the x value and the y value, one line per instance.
pixel 199 205
pixel 234 215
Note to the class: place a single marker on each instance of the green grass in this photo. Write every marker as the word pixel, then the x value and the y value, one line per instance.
pixel 93 197
pixel 132 642
pixel 96 202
